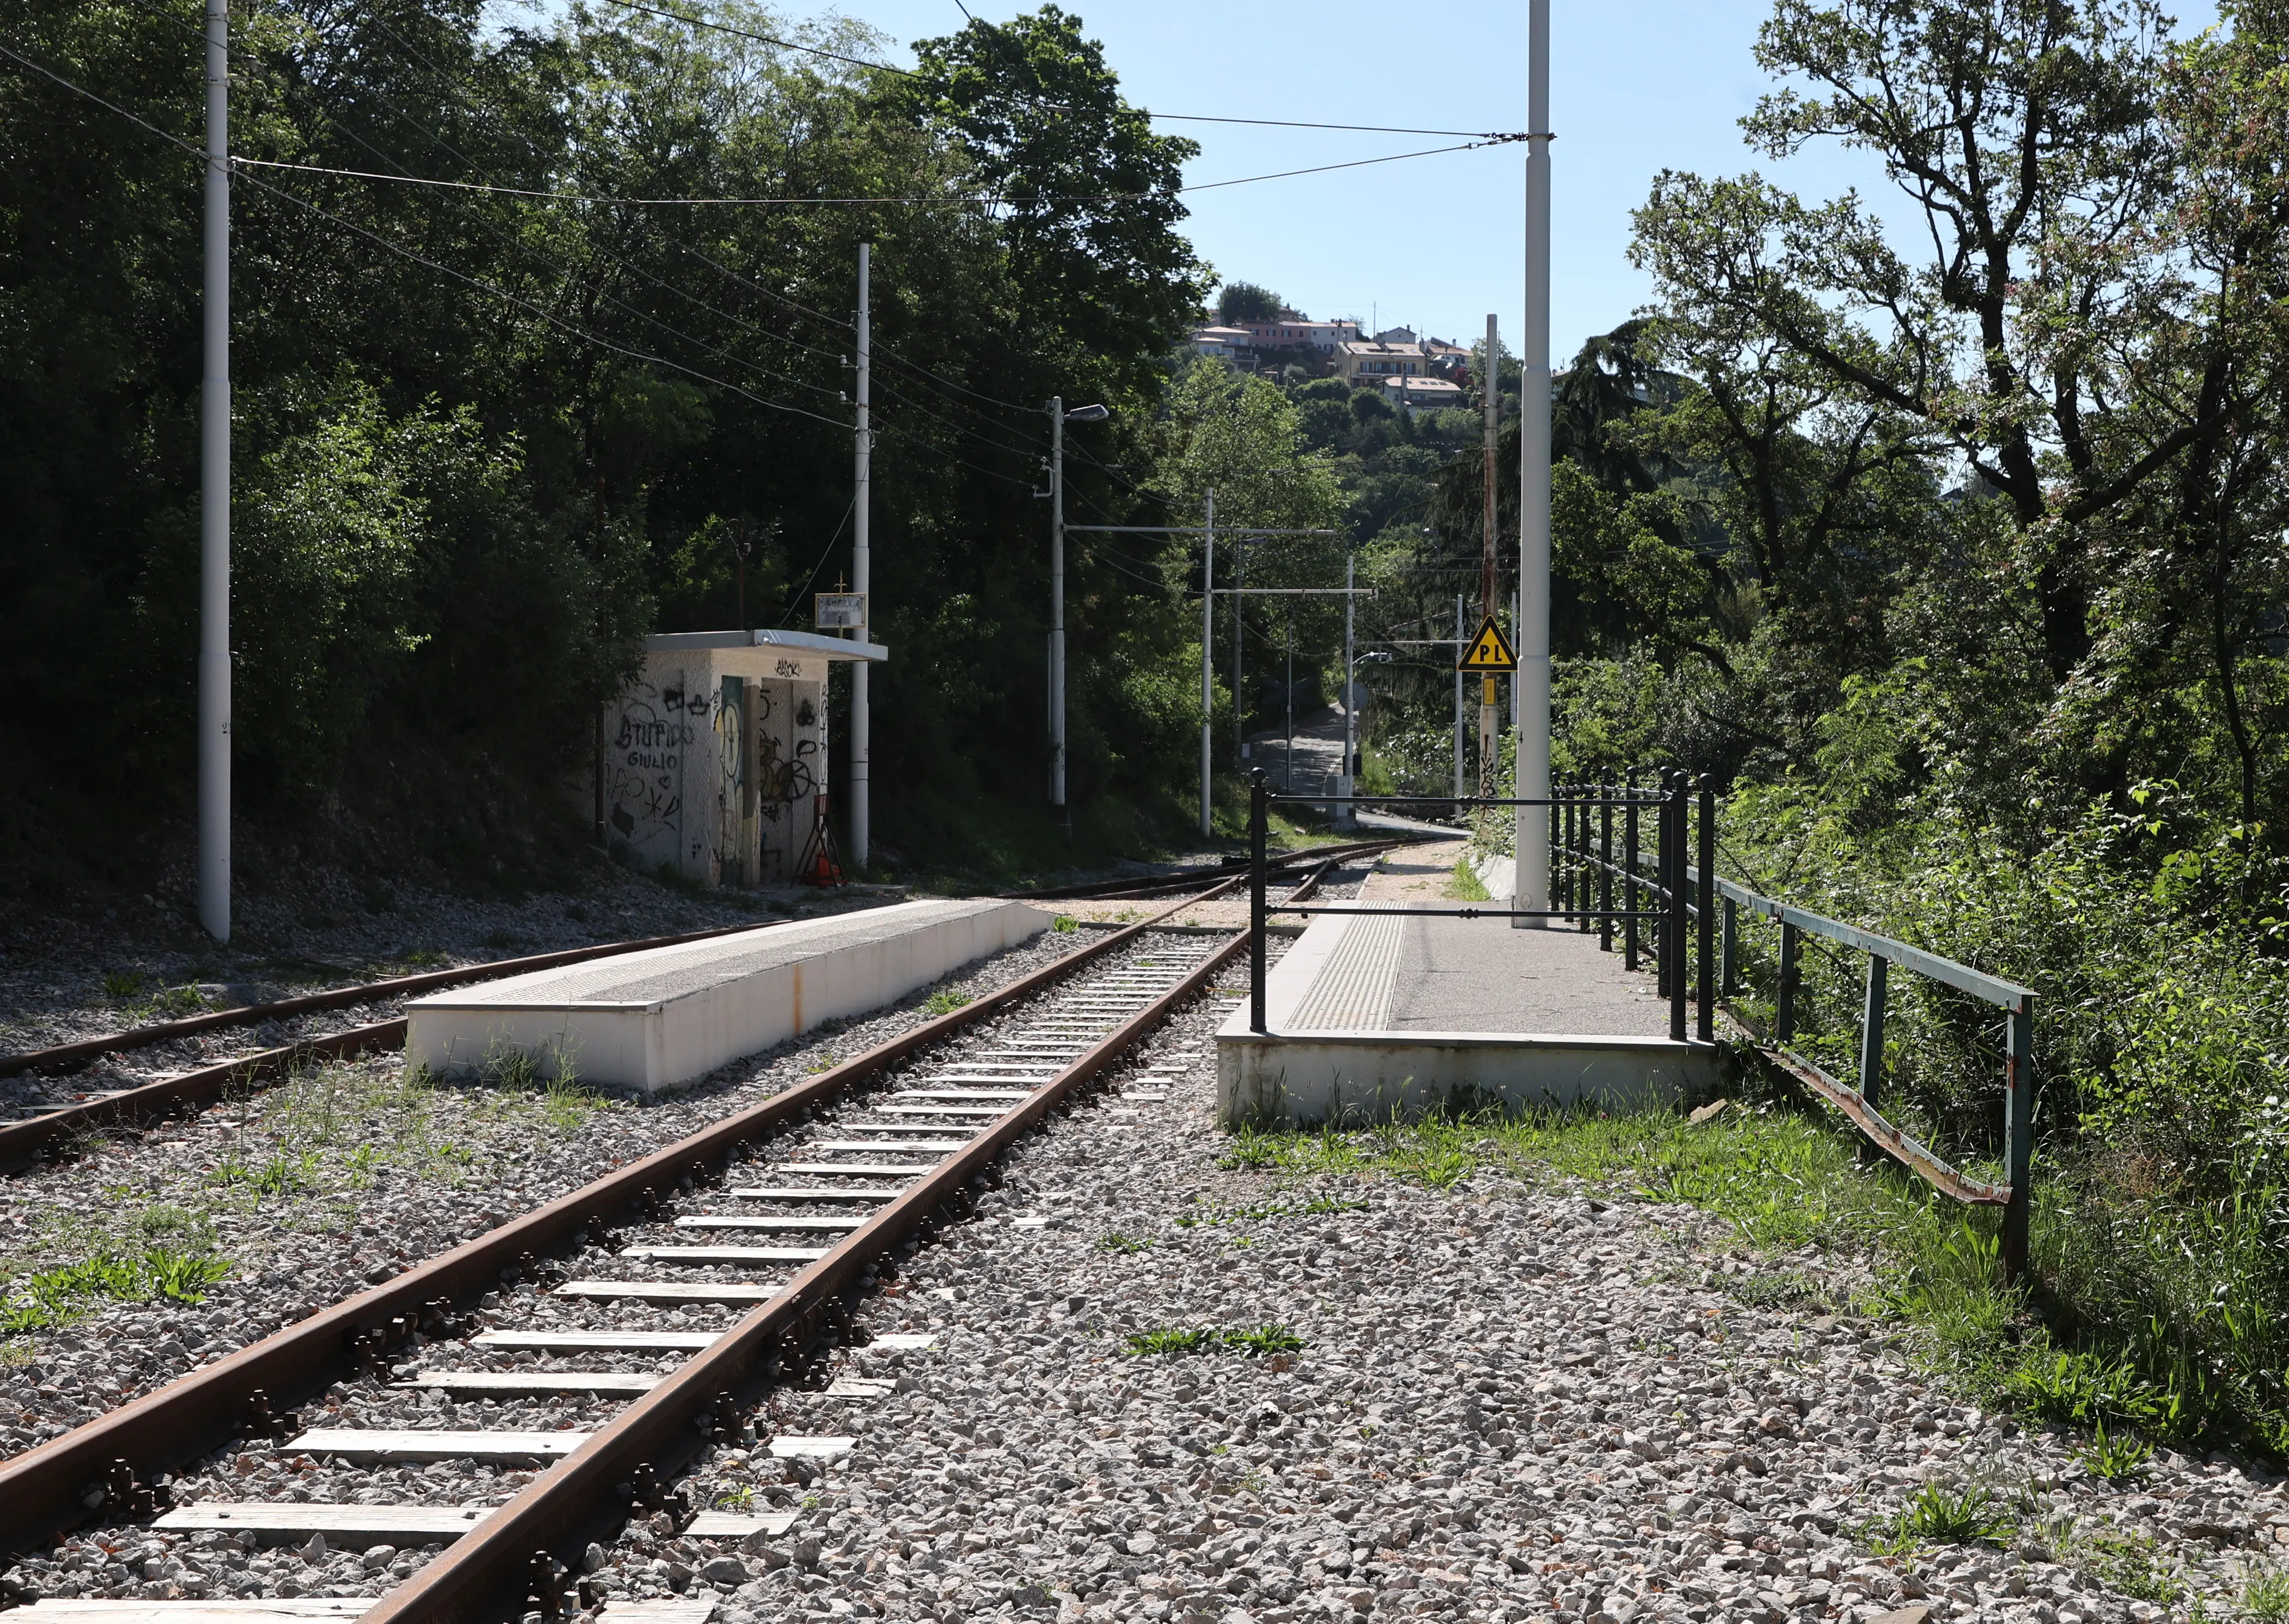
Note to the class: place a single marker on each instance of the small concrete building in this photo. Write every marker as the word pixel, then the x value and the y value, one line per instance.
pixel 715 758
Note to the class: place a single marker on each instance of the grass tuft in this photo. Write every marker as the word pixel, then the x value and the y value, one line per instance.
pixel 1944 1513
pixel 944 1003
pixel 1265 1339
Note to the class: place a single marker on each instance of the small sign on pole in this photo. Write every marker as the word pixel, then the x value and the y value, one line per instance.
pixel 1489 653
pixel 840 611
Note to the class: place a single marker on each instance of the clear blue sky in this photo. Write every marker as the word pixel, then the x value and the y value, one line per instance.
pixel 1433 243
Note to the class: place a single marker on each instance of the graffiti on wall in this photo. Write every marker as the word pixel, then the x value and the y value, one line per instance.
pixel 645 770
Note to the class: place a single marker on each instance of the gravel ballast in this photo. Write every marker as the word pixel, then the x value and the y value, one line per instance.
pixel 1512 1401
pixel 343 1178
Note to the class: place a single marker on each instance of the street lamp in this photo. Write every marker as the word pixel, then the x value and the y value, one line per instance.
pixel 1058 417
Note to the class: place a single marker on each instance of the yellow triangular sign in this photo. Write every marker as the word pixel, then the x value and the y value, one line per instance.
pixel 1490 651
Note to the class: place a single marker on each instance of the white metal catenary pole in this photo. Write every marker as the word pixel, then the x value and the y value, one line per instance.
pixel 1208 658
pixel 1345 813
pixel 1491 404
pixel 1532 829
pixel 862 561
pixel 214 498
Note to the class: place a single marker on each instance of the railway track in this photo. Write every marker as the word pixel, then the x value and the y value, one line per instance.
pixel 44 1131
pixel 1176 880
pixel 609 1349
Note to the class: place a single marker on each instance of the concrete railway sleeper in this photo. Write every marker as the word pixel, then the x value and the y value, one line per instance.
pixel 802 1195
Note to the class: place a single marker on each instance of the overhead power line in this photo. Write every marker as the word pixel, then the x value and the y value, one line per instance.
pixel 939 199
pixel 1186 118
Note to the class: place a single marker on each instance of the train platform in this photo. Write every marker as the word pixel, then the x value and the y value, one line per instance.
pixel 651 1020
pixel 1377 1016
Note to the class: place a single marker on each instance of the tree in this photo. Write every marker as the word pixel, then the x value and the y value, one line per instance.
pixel 1084 195
pixel 1245 301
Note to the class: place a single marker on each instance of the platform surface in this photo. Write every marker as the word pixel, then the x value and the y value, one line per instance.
pixel 1398 1013
pixel 649 1020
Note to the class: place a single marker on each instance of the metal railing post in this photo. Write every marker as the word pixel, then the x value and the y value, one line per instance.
pixel 1705 991
pixel 1728 951
pixel 1784 998
pixel 1630 874
pixel 2018 1134
pixel 1605 865
pixel 1660 887
pixel 1573 849
pixel 1556 851
pixel 1256 937
pixel 1679 805
pixel 1872 1032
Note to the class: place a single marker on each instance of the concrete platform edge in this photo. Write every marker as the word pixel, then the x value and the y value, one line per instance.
pixel 1308 1078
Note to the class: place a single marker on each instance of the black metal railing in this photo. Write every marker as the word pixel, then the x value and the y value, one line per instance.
pixel 1662 900
pixel 1581 852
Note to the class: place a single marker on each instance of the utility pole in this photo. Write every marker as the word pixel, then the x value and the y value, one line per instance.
pixel 1531 833
pixel 1345 813
pixel 1491 401
pixel 1288 755
pixel 1058 417
pixel 1461 642
pixel 1239 703
pixel 1058 811
pixel 214 497
pixel 1208 657
pixel 862 558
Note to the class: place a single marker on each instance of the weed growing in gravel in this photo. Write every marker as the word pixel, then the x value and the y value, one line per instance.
pixel 1944 1513
pixel 1207 1339
pixel 422 958
pixel 944 1003
pixel 1113 1240
pixel 2117 1460
pixel 55 1296
pixel 1065 924
pixel 2265 1594
pixel 282 1175
pixel 2129 1562
pixel 1464 886
pixel 124 986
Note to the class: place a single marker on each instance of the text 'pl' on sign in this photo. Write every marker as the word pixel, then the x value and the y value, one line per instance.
pixel 1489 651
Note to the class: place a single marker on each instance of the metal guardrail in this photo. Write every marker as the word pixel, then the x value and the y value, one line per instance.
pixel 1581 852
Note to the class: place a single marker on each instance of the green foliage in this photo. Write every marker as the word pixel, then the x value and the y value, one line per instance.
pixel 1245 301
pixel 1113 1240
pixel 56 1296
pixel 1945 1514
pixel 944 1002
pixel 1065 924
pixel 2117 1460
pixel 2265 1593
pixel 463 488
pixel 1261 1340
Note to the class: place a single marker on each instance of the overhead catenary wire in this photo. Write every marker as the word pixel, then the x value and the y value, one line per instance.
pixel 457 87
pixel 1185 118
pixel 442 268
pixel 937 200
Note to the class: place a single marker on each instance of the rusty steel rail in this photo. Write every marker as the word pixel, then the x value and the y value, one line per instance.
pixel 1146 885
pixel 63 1055
pixel 483 1576
pixel 40 1139
pixel 41 1490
